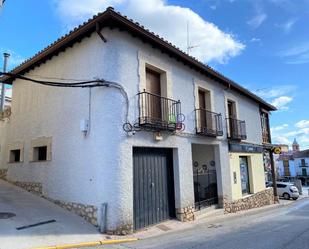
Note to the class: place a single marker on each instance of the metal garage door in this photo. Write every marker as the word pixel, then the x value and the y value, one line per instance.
pixel 153 186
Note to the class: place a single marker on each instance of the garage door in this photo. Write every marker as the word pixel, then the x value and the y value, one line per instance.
pixel 153 186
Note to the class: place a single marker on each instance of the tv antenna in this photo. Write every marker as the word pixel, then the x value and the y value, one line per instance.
pixel 189 46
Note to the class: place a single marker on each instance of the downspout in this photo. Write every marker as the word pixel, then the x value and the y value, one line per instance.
pixel 2 100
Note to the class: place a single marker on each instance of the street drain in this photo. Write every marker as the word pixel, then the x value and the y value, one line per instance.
pixel 6 215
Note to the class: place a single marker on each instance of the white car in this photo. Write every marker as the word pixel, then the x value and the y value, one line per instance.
pixel 287 190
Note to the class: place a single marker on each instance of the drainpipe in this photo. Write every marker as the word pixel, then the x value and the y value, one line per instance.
pixel 2 100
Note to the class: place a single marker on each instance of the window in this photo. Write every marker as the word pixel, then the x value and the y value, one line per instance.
pixel 15 156
pixel 40 153
pixel 41 149
pixel 15 152
pixel 244 175
pixel 281 185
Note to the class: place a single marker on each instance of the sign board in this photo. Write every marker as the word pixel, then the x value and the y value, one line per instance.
pixel 245 148
pixel 277 150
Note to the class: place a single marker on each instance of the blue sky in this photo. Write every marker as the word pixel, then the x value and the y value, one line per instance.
pixel 263 45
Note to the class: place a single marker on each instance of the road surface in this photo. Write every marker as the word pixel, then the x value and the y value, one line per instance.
pixel 280 228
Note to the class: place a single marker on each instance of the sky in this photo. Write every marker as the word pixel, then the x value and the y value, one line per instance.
pixel 262 44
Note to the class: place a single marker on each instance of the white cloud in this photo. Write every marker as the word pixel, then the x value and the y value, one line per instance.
pixel 282 140
pixel 275 91
pixel 302 124
pixel 257 20
pixel 288 25
pixel 254 39
pixel 170 21
pixel 286 134
pixel 279 128
pixel 281 102
pixel 298 54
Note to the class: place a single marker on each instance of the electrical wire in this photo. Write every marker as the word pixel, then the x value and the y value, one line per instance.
pixel 81 84
pixel 88 83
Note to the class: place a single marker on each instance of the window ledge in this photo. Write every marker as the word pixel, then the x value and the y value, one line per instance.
pixel 15 162
pixel 40 161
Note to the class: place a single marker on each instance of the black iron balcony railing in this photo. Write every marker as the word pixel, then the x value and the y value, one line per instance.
pixel 236 129
pixel 208 123
pixel 266 137
pixel 303 165
pixel 158 113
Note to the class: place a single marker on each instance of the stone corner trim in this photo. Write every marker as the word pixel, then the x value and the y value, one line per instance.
pixel 260 199
pixel 185 214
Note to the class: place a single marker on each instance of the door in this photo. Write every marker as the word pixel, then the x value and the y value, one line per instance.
pixel 153 102
pixel 231 107
pixel 205 116
pixel 304 172
pixel 205 186
pixel 202 107
pixel 153 186
pixel 244 175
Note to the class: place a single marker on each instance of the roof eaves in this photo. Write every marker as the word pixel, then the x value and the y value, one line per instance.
pixel 79 32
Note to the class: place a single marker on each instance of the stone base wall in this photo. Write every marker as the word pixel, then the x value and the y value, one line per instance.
pixel 263 198
pixel 88 212
pixel 32 187
pixel 121 230
pixel 3 173
pixel 185 214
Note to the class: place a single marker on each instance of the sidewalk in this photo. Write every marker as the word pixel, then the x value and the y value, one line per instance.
pixel 70 228
pixel 30 209
pixel 213 215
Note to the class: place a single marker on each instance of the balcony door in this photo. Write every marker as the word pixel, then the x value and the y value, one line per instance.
pixel 204 106
pixel 231 108
pixel 153 86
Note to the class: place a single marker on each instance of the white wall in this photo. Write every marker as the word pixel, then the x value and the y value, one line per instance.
pixel 292 166
pixel 297 163
pixel 98 168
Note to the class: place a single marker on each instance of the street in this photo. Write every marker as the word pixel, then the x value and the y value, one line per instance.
pixel 285 227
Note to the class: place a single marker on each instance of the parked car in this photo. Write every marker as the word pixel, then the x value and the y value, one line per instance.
pixel 286 190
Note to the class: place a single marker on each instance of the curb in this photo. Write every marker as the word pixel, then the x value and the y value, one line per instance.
pixel 84 244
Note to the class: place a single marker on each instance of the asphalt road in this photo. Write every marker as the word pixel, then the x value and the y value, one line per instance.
pixel 285 228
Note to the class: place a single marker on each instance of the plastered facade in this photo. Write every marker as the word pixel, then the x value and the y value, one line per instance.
pixel 98 168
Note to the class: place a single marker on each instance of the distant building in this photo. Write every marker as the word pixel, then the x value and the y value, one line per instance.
pixel 295 146
pixel 301 162
pixel 293 163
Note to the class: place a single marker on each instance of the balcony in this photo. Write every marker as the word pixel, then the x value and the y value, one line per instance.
pixel 157 113
pixel 236 129
pixel 303 165
pixel 208 123
pixel 265 137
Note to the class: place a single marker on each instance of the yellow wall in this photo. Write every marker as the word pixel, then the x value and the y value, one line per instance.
pixel 256 173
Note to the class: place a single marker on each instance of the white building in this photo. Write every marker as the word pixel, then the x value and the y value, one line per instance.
pixel 197 140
